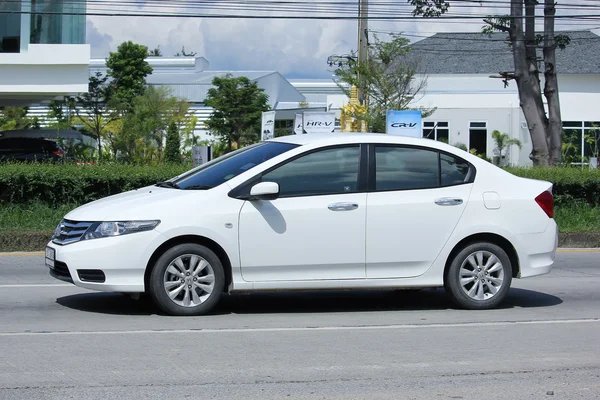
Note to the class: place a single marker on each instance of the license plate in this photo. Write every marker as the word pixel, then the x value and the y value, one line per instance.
pixel 50 257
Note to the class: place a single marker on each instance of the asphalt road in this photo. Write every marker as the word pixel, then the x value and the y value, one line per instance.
pixel 61 342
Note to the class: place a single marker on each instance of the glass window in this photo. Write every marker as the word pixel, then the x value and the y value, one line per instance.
pixel 591 146
pixel 443 135
pixel 284 123
pixel 401 168
pixel 231 165
pixel 10 27
pixel 572 141
pixel 436 130
pixel 572 124
pixel 323 172
pixel 455 170
pixel 58 22
pixel 478 124
pixel 478 136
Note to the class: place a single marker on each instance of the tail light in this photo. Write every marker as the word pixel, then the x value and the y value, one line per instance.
pixel 546 202
pixel 58 153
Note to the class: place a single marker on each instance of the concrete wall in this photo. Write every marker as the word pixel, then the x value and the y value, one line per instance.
pixel 43 72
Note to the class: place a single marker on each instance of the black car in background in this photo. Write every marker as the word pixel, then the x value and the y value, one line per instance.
pixel 19 149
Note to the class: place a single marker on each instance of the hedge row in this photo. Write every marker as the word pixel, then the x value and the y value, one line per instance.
pixel 56 184
pixel 571 185
pixel 77 184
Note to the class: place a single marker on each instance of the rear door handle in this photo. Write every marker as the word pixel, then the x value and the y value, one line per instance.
pixel 343 206
pixel 447 201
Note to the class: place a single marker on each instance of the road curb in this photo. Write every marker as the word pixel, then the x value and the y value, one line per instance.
pixel 590 240
pixel 22 254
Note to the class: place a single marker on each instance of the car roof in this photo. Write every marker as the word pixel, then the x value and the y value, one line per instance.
pixel 360 137
pixel 335 138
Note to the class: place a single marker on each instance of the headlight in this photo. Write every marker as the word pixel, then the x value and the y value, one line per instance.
pixel 109 229
pixel 58 229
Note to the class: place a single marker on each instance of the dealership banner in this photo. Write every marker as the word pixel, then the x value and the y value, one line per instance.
pixel 298 129
pixel 318 122
pixel 403 123
pixel 268 125
pixel 200 155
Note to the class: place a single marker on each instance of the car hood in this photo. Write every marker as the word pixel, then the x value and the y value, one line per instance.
pixel 139 204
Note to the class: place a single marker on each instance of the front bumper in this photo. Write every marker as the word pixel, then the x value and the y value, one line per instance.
pixel 115 264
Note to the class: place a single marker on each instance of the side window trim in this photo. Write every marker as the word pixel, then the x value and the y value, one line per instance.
pixel 371 167
pixel 239 192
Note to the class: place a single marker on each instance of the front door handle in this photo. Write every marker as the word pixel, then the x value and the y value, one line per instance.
pixel 447 201
pixel 343 206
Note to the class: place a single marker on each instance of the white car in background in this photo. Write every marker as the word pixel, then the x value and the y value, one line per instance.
pixel 335 211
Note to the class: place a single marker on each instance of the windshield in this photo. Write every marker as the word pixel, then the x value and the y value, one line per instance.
pixel 231 165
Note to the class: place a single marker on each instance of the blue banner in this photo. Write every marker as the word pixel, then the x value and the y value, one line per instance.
pixel 403 123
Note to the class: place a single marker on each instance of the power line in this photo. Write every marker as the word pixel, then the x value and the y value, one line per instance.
pixel 341 10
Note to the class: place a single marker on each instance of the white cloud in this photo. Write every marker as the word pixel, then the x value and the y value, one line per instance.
pixel 100 42
pixel 291 47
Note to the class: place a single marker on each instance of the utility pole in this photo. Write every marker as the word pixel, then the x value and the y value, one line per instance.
pixel 363 42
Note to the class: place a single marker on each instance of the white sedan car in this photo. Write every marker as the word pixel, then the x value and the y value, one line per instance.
pixel 318 212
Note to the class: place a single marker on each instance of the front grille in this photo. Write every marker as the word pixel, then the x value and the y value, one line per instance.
pixel 70 231
pixel 61 271
pixel 91 275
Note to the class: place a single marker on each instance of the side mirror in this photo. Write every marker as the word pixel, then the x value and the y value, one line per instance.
pixel 264 191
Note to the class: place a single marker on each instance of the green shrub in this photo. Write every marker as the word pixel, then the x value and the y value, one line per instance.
pixel 571 185
pixel 57 184
pixel 60 184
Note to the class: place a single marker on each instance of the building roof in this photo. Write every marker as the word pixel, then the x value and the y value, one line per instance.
pixel 194 86
pixel 188 79
pixel 478 53
pixel 161 64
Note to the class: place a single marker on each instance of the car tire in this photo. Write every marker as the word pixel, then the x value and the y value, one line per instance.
pixel 194 276
pixel 479 276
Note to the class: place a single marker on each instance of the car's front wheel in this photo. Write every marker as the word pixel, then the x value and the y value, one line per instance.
pixel 187 279
pixel 479 276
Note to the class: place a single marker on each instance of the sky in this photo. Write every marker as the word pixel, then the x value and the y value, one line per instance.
pixel 294 48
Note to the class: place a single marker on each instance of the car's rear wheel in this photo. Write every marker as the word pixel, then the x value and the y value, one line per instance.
pixel 187 279
pixel 479 276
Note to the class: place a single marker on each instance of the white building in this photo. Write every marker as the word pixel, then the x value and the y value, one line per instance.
pixel 43 54
pixel 471 105
pixel 189 78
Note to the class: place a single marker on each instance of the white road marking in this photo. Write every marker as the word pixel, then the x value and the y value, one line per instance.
pixel 35 285
pixel 305 329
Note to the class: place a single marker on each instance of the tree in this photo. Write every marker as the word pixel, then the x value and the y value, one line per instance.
pixel 145 127
pixel 15 118
pixel 184 54
pixel 172 148
pixel 504 141
pixel 237 105
pixel 388 77
pixel 545 129
pixel 62 119
pixel 94 113
pixel 156 52
pixel 128 69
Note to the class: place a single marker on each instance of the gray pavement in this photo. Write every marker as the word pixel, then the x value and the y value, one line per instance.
pixel 58 341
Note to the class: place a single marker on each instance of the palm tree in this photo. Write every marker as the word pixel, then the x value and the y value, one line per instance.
pixel 504 141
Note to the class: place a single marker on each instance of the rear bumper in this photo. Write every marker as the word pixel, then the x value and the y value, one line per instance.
pixel 538 251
